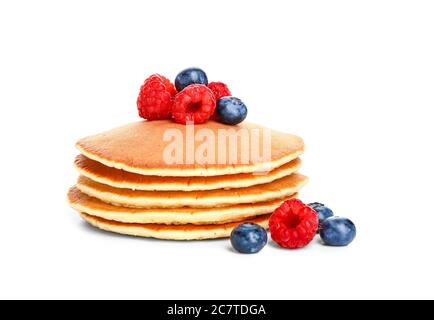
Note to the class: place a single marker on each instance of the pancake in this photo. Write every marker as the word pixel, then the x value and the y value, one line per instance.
pixel 139 147
pixel 277 189
pixel 171 232
pixel 89 205
pixel 123 179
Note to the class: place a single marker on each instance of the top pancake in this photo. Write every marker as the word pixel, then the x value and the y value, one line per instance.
pixel 139 148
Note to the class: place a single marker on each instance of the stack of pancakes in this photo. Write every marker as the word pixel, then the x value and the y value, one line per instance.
pixel 127 186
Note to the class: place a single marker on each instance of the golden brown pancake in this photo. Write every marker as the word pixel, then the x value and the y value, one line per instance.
pixel 171 232
pixel 277 189
pixel 139 148
pixel 123 179
pixel 89 205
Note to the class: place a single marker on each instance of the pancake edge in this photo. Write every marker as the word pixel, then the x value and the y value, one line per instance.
pixel 167 233
pixel 172 186
pixel 195 172
pixel 206 202
pixel 178 217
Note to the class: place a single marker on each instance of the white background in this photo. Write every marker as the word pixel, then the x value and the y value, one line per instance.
pixel 354 78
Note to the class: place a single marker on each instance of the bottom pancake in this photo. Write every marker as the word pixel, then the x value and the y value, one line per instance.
pixel 92 206
pixel 171 232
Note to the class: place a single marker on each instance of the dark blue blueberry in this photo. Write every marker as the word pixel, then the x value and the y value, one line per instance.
pixel 249 238
pixel 190 76
pixel 313 205
pixel 322 211
pixel 336 231
pixel 231 110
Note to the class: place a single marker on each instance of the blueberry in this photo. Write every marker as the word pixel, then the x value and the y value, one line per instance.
pixel 190 76
pixel 336 231
pixel 313 205
pixel 248 238
pixel 322 211
pixel 231 110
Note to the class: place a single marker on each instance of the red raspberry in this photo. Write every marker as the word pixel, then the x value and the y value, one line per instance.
pixel 169 85
pixel 156 98
pixel 219 89
pixel 196 103
pixel 293 225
